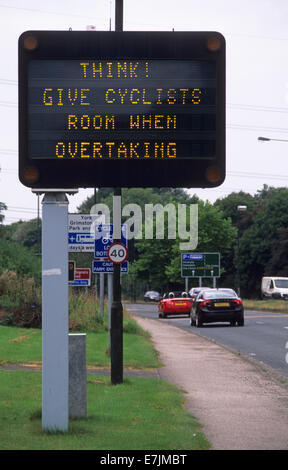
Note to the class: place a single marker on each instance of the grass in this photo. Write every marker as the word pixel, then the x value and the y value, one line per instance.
pixel 273 305
pixel 139 414
pixel 20 345
pixel 23 345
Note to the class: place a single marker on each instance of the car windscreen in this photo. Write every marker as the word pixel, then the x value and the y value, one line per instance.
pixel 282 283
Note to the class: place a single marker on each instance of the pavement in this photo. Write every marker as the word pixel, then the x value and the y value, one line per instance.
pixel 241 404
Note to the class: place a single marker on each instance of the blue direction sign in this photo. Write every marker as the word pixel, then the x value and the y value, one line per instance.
pixel 80 282
pixel 82 238
pixel 103 266
pixel 104 239
pixel 192 256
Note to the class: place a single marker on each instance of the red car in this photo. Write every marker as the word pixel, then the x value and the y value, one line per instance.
pixel 175 303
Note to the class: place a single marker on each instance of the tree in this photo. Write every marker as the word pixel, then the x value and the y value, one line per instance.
pixel 3 207
pixel 257 244
pixel 28 233
pixel 229 204
pixel 140 196
pixel 20 259
pixel 278 261
pixel 160 260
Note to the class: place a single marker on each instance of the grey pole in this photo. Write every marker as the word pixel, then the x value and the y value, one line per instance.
pixel 55 356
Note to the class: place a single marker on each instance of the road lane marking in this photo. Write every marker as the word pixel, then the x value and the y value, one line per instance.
pixel 246 316
pixel 265 316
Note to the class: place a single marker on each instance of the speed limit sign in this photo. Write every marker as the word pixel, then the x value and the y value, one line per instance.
pixel 117 253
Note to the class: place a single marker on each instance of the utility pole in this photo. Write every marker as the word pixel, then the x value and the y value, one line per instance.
pixel 116 331
pixel 118 15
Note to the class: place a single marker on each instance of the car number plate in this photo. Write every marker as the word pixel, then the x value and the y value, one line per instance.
pixel 221 304
pixel 180 303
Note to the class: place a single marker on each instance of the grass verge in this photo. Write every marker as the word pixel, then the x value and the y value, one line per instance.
pixel 139 414
pixel 273 305
pixel 23 345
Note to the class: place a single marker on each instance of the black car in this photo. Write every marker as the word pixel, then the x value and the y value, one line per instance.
pixel 152 296
pixel 217 305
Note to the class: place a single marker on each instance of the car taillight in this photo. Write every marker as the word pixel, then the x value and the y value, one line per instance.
pixel 205 303
pixel 237 301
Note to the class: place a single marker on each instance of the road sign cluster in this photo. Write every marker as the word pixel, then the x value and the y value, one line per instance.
pixel 87 233
pixel 107 252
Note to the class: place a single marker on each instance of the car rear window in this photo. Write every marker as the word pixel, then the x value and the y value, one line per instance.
pixel 218 295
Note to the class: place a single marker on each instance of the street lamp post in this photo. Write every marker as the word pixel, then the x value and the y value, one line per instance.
pixel 239 209
pixel 267 139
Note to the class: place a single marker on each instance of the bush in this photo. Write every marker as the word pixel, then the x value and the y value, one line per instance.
pixel 21 305
pixel 20 300
pixel 84 312
pixel 20 260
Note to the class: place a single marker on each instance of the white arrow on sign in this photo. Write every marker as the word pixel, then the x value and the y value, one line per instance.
pixel 117 253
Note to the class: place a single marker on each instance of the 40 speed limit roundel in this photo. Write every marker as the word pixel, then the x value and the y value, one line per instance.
pixel 117 253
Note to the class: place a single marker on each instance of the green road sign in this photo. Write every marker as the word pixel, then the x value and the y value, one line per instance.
pixel 200 265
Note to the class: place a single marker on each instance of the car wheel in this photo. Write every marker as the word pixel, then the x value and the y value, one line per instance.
pixel 241 321
pixel 233 323
pixel 163 314
pixel 198 321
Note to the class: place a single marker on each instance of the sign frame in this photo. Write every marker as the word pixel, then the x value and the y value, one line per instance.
pixel 61 45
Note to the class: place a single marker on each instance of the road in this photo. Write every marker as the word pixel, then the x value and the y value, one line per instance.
pixel 264 336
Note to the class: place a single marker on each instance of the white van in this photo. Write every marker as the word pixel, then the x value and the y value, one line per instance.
pixel 274 288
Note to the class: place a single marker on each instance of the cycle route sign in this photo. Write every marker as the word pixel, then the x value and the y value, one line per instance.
pixel 103 241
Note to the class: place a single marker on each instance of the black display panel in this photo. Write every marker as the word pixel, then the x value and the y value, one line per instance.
pixel 121 109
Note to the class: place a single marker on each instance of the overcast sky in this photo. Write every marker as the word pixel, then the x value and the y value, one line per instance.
pixel 257 81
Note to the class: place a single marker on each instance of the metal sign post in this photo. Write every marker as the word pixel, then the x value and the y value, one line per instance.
pixel 116 329
pixel 55 356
